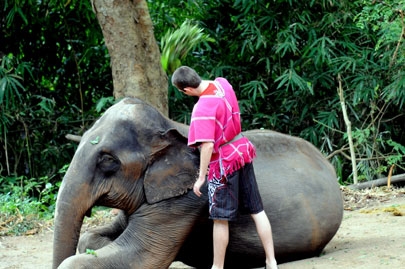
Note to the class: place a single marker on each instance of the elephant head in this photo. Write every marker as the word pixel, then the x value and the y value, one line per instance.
pixel 132 160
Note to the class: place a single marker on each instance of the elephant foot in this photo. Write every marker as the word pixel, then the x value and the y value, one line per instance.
pixel 92 241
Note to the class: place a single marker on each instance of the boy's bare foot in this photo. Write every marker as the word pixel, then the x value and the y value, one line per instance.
pixel 272 265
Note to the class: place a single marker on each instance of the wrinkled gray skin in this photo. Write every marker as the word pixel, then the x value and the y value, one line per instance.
pixel 135 159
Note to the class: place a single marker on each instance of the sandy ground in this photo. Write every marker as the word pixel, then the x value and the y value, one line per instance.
pixel 372 235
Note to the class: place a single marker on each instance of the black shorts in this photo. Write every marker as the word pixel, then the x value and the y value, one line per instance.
pixel 237 193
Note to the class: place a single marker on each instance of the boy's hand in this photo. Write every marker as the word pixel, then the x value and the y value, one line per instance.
pixel 197 186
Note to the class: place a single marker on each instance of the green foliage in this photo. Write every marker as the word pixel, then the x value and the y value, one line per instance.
pixel 178 43
pixel 26 202
pixel 10 84
pixel 54 76
pixel 291 80
pixel 104 103
pixel 375 153
pixel 91 252
pixel 397 155
pixel 54 70
pixel 283 59
pixel 29 195
pixel 23 202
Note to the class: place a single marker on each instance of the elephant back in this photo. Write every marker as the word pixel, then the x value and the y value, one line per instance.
pixel 300 193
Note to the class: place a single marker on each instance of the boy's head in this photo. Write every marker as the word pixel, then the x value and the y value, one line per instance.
pixel 184 77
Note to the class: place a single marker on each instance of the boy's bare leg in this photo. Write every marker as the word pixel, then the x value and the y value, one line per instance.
pixel 221 239
pixel 264 230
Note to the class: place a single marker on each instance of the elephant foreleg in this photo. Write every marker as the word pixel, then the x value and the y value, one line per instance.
pixel 102 236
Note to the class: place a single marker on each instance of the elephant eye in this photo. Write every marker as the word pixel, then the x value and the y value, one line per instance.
pixel 107 163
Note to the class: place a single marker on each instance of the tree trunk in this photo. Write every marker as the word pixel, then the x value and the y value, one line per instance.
pixel 135 56
pixel 398 179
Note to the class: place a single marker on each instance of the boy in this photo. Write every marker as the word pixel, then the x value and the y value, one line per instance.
pixel 215 127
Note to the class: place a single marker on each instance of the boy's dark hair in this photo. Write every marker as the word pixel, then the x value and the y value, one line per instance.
pixel 185 76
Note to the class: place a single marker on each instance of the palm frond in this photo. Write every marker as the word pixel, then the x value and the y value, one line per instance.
pixel 176 45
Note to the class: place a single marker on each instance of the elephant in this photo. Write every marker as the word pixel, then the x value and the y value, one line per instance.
pixel 137 160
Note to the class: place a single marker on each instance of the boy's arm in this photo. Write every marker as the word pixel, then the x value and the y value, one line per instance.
pixel 205 157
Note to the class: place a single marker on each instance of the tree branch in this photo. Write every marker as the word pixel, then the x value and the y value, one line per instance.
pixel 349 129
pixel 74 138
pixel 378 182
pixel 401 13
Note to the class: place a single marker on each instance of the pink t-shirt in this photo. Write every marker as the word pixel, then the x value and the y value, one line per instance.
pixel 216 118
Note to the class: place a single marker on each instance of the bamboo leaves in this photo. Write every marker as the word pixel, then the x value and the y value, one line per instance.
pixel 290 79
pixel 9 83
pixel 177 44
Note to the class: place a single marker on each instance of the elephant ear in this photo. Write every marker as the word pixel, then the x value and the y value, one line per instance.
pixel 173 169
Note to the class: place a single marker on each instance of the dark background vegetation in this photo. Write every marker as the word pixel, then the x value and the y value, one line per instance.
pixel 282 57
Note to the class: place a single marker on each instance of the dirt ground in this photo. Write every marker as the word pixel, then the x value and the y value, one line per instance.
pixel 372 235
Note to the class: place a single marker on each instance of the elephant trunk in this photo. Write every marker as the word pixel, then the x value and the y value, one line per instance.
pixel 71 208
